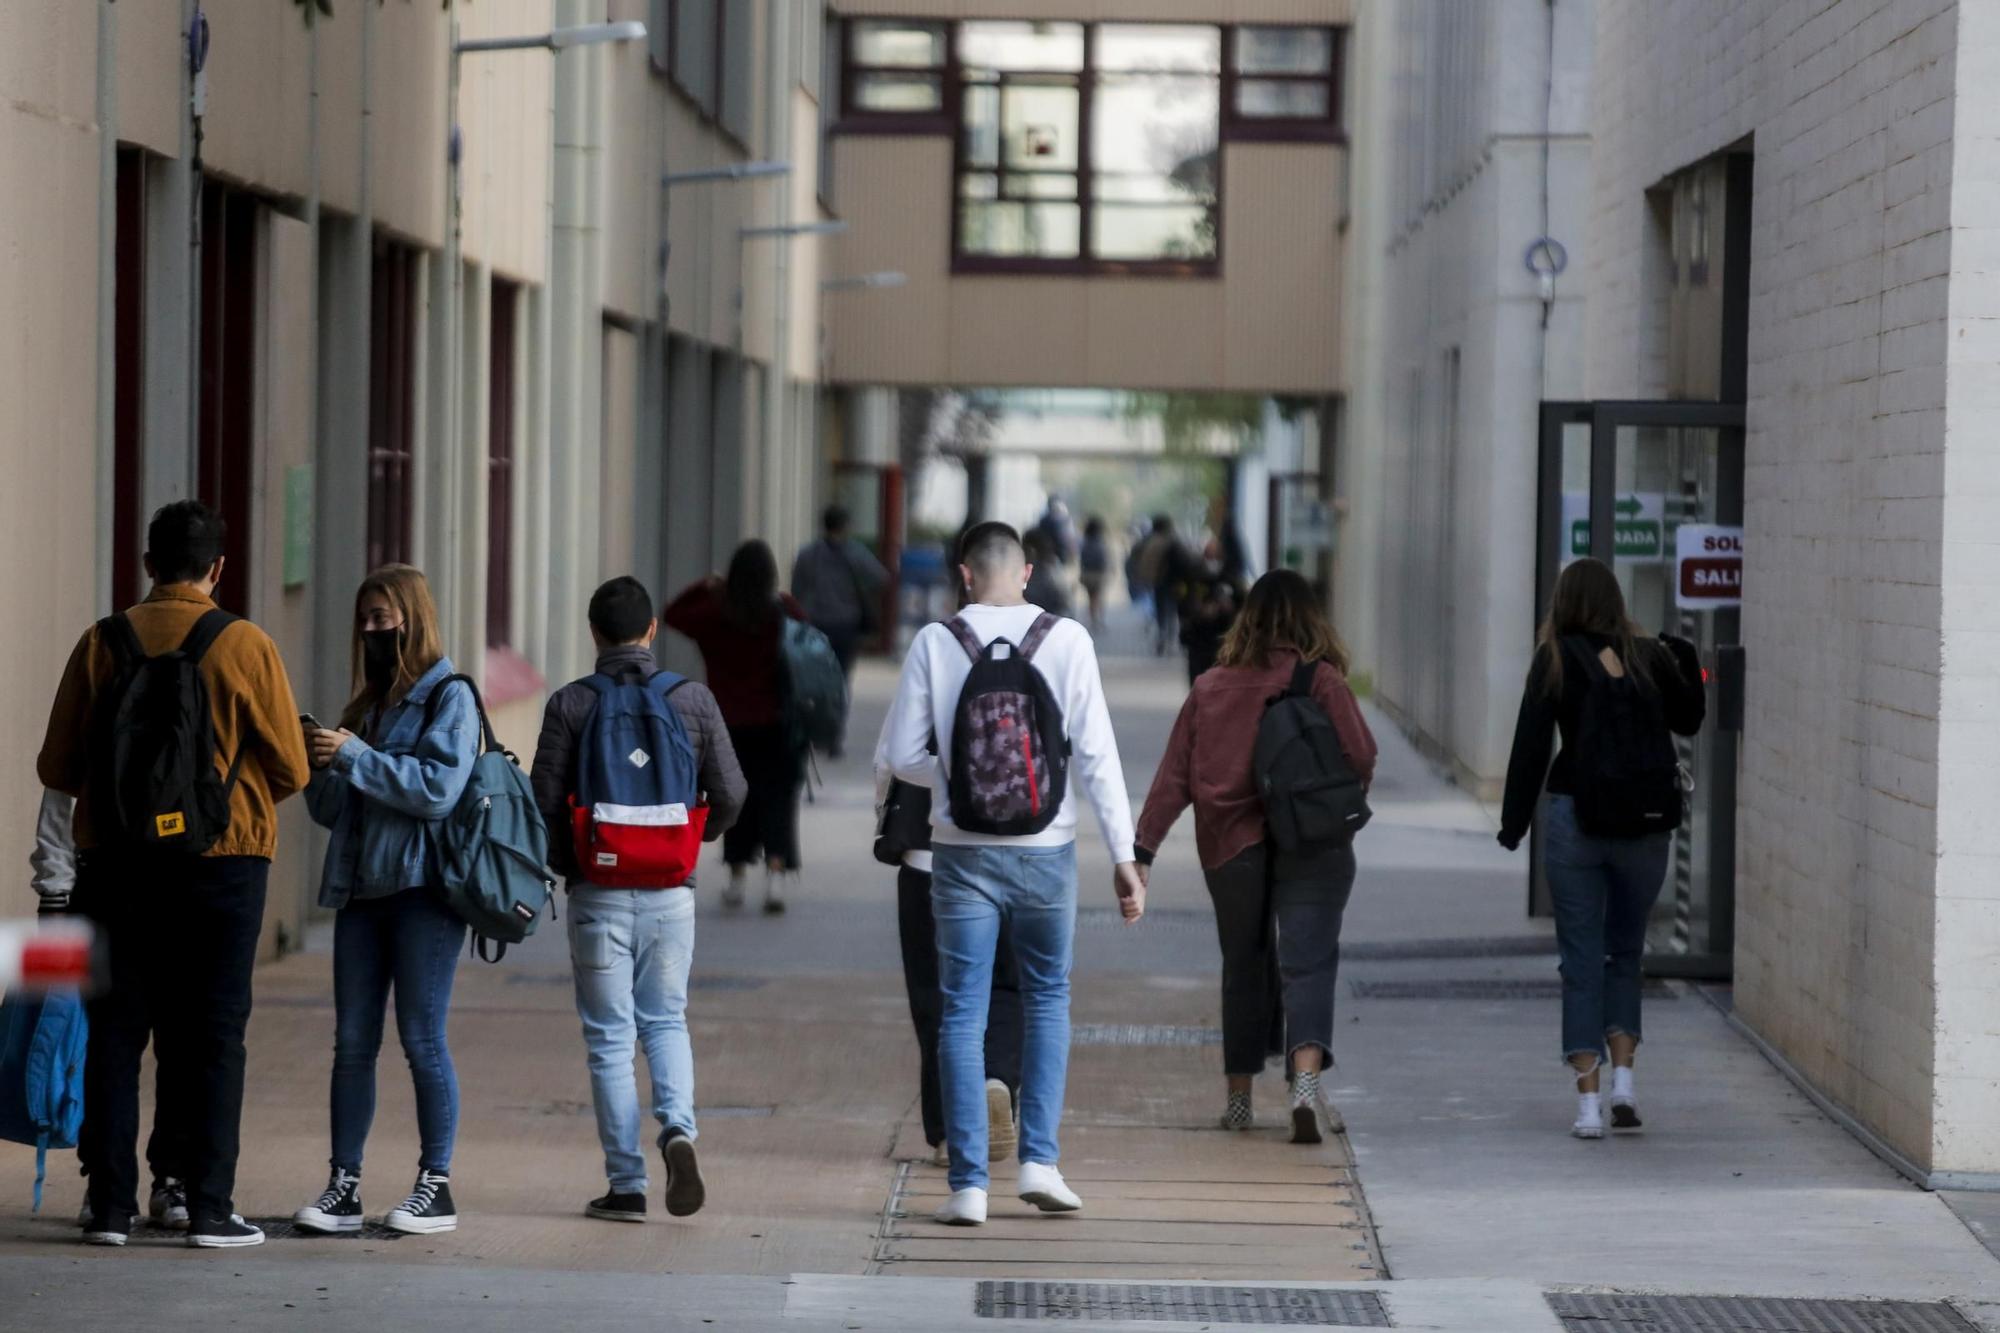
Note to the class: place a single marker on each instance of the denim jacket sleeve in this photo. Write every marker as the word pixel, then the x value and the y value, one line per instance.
pixel 326 796
pixel 426 783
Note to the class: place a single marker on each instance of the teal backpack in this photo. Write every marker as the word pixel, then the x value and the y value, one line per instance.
pixel 815 688
pixel 42 1040
pixel 493 848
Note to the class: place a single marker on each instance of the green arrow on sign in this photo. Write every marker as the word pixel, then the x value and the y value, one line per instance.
pixel 1629 507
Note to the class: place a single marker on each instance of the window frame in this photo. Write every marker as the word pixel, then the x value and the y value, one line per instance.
pixel 501 458
pixel 391 478
pixel 1238 127
pixel 854 118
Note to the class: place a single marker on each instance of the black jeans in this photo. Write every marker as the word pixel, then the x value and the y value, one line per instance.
pixel 768 828
pixel 1280 929
pixel 181 938
pixel 918 929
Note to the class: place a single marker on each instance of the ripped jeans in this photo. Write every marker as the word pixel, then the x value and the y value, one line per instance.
pixel 1604 890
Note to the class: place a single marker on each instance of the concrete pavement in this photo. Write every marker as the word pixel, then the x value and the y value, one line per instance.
pixel 806 1069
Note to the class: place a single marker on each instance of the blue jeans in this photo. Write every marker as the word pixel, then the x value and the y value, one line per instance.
pixel 631 949
pixel 410 940
pixel 1604 890
pixel 973 890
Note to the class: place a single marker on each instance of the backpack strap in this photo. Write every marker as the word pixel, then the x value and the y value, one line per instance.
pixel 966 638
pixel 436 701
pixel 206 630
pixel 673 680
pixel 1302 678
pixel 1040 630
pixel 115 632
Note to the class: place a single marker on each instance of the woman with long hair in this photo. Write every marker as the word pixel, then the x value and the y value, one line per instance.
pixel 396 763
pixel 1614 693
pixel 1282 1003
pixel 736 620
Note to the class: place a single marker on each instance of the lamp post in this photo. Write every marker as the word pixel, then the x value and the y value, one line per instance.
pixel 555 40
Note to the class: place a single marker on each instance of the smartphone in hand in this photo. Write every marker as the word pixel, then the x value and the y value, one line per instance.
pixel 309 722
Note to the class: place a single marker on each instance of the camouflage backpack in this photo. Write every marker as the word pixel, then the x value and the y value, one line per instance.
pixel 1009 753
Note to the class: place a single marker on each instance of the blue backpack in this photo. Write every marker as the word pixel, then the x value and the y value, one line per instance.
pixel 493 848
pixel 815 688
pixel 42 1042
pixel 637 812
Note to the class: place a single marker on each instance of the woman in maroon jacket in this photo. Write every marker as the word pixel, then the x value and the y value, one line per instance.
pixel 1208 766
pixel 735 621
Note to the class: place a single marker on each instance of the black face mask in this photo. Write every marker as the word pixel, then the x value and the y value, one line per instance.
pixel 381 649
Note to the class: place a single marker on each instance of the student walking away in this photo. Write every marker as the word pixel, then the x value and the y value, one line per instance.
pixel 175 729
pixel 1045 577
pixel 1207 613
pixel 1618 697
pixel 839 582
pixel 903 840
pixel 994 709
pixel 1094 569
pixel 1272 752
pixel 738 624
pixel 633 772
pixel 395 764
pixel 1150 567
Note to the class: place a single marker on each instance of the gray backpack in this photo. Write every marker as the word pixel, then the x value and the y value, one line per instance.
pixel 493 848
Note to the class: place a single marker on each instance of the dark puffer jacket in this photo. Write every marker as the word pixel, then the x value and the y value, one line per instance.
pixel 563 721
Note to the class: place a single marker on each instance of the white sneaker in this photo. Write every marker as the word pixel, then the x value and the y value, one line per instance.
pixel 965 1208
pixel 168 1206
pixel 1001 1136
pixel 774 895
pixel 1043 1186
pixel 1589 1116
pixel 732 892
pixel 1624 1105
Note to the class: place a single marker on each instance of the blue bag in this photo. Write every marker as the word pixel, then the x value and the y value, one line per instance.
pixel 42 1041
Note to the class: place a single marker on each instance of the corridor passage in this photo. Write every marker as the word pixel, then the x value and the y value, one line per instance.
pixel 1460 1182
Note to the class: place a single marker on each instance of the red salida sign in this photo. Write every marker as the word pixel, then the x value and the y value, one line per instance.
pixel 1708 566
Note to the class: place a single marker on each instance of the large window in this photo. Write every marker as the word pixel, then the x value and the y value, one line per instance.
pixel 1284 83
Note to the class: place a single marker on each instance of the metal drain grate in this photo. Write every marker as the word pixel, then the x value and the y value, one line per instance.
pixel 1113 1302
pixel 283 1228
pixel 1142 1034
pixel 1583 1313
pixel 1480 988
pixel 1157 918
pixel 1501 946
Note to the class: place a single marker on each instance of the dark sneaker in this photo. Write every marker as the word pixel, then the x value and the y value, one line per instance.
pixel 107 1229
pixel 428 1210
pixel 616 1207
pixel 231 1233
pixel 337 1210
pixel 685 1192
pixel 169 1205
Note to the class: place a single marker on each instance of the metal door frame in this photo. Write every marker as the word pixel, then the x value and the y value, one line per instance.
pixel 1712 958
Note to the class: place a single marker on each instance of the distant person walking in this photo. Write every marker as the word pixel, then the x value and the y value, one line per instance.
pixel 1277 986
pixel 396 763
pixel 1094 569
pixel 1617 696
pixel 613 765
pixel 736 622
pixel 1046 587
pixel 989 706
pixel 839 582
pixel 175 825
pixel 1155 565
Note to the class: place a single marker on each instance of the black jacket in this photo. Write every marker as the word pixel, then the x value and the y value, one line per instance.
pixel 569 709
pixel 1675 671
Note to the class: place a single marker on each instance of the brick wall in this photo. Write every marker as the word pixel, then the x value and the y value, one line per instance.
pixel 1852 603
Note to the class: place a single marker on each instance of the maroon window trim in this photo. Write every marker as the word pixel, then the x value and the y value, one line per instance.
pixel 391 428
pixel 1240 128
pixel 857 119
pixel 129 381
pixel 228 377
pixel 500 468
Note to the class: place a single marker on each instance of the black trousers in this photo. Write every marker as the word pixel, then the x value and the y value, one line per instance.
pixel 768 828
pixel 181 938
pixel 1278 917
pixel 918 929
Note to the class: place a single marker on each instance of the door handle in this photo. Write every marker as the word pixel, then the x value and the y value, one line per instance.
pixel 1730 669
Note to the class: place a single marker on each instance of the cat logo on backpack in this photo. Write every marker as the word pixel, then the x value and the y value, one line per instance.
pixel 169 826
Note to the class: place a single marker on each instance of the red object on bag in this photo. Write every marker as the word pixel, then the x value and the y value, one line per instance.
pixel 638 847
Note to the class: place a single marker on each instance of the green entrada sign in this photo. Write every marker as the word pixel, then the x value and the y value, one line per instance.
pixel 1633 536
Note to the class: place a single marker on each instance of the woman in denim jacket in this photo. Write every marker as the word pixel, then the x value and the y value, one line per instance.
pixel 395 766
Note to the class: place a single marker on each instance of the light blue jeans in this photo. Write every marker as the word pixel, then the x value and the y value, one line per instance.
pixel 1603 890
pixel 974 889
pixel 631 949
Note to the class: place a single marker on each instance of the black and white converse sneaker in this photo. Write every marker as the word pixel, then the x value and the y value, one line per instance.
pixel 106 1228
pixel 231 1233
pixel 685 1191
pixel 169 1205
pixel 616 1207
pixel 428 1210
pixel 337 1210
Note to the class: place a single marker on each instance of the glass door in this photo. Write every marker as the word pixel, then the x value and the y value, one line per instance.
pixel 1655 490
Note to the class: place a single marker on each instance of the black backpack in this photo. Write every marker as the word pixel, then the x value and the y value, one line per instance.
pixel 1313 799
pixel 1622 759
pixel 1009 753
pixel 153 777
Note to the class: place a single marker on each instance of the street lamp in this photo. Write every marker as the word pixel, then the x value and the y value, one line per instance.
pixel 561 39
pixel 783 232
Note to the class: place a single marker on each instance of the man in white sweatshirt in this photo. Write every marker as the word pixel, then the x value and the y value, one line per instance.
pixel 1029 881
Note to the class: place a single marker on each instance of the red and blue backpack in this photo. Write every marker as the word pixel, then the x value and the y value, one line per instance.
pixel 637 811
